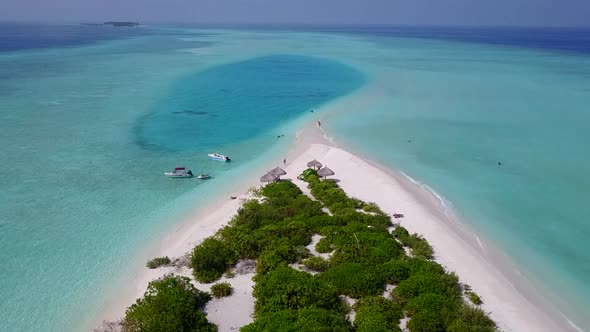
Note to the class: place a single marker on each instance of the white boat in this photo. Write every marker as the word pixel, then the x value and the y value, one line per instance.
pixel 203 176
pixel 180 172
pixel 217 156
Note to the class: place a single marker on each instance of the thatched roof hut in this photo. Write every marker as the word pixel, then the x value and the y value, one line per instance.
pixel 268 177
pixel 278 171
pixel 325 172
pixel 314 164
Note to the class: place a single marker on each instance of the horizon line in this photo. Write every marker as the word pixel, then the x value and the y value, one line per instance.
pixel 289 24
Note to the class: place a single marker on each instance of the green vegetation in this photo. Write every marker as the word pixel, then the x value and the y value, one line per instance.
pixel 471 295
pixel 211 259
pixel 221 289
pixel 333 197
pixel 274 230
pixel 420 247
pixel 308 319
pixel 474 298
pixel 287 289
pixel 324 246
pixel 355 279
pixel 375 314
pixel 169 304
pixel 371 207
pixel 359 244
pixel 157 262
pixel 282 254
pixel 317 264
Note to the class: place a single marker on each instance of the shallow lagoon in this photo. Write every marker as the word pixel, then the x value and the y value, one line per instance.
pixel 87 134
pixel 86 201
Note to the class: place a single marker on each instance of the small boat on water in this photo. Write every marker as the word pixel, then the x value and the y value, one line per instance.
pixel 203 176
pixel 180 172
pixel 217 156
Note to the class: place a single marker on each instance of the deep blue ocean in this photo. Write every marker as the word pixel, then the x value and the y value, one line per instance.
pixel 575 40
pixel 16 37
pixel 91 116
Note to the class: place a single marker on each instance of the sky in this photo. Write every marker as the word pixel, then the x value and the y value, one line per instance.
pixel 394 12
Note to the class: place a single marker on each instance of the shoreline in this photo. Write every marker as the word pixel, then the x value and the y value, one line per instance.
pixel 511 304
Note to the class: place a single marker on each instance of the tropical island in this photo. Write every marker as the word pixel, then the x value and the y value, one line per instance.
pixel 352 247
pixel 319 260
pixel 114 24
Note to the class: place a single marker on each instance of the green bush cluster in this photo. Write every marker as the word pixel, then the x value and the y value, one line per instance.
pixel 290 300
pixel 377 314
pixel 420 247
pixel 287 289
pixel 307 319
pixel 395 270
pixel 281 219
pixel 366 257
pixel 359 244
pixel 432 298
pixel 355 279
pixel 317 264
pixel 324 246
pixel 221 289
pixel 169 304
pixel 332 195
pixel 281 254
pixel 157 262
pixel 474 298
pixel 211 259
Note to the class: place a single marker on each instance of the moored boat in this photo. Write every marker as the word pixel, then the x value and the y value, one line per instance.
pixel 220 157
pixel 180 172
pixel 203 176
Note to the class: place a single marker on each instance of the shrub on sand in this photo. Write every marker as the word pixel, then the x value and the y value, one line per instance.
pixel 221 289
pixel 420 247
pixel 211 259
pixel 474 298
pixel 157 262
pixel 169 304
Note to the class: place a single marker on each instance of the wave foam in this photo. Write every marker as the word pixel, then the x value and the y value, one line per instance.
pixel 443 202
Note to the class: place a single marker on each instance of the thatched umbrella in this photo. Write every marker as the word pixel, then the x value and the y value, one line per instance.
pixel 278 172
pixel 268 177
pixel 314 164
pixel 325 172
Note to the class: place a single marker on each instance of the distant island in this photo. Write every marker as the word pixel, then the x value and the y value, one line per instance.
pixel 115 24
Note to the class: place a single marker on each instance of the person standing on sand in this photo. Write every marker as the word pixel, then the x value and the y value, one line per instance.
pixel 319 123
pixel 285 161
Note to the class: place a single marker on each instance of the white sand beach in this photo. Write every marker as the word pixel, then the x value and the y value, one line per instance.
pixel 513 307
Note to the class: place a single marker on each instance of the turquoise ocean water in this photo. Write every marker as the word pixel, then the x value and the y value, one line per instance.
pixel 88 129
